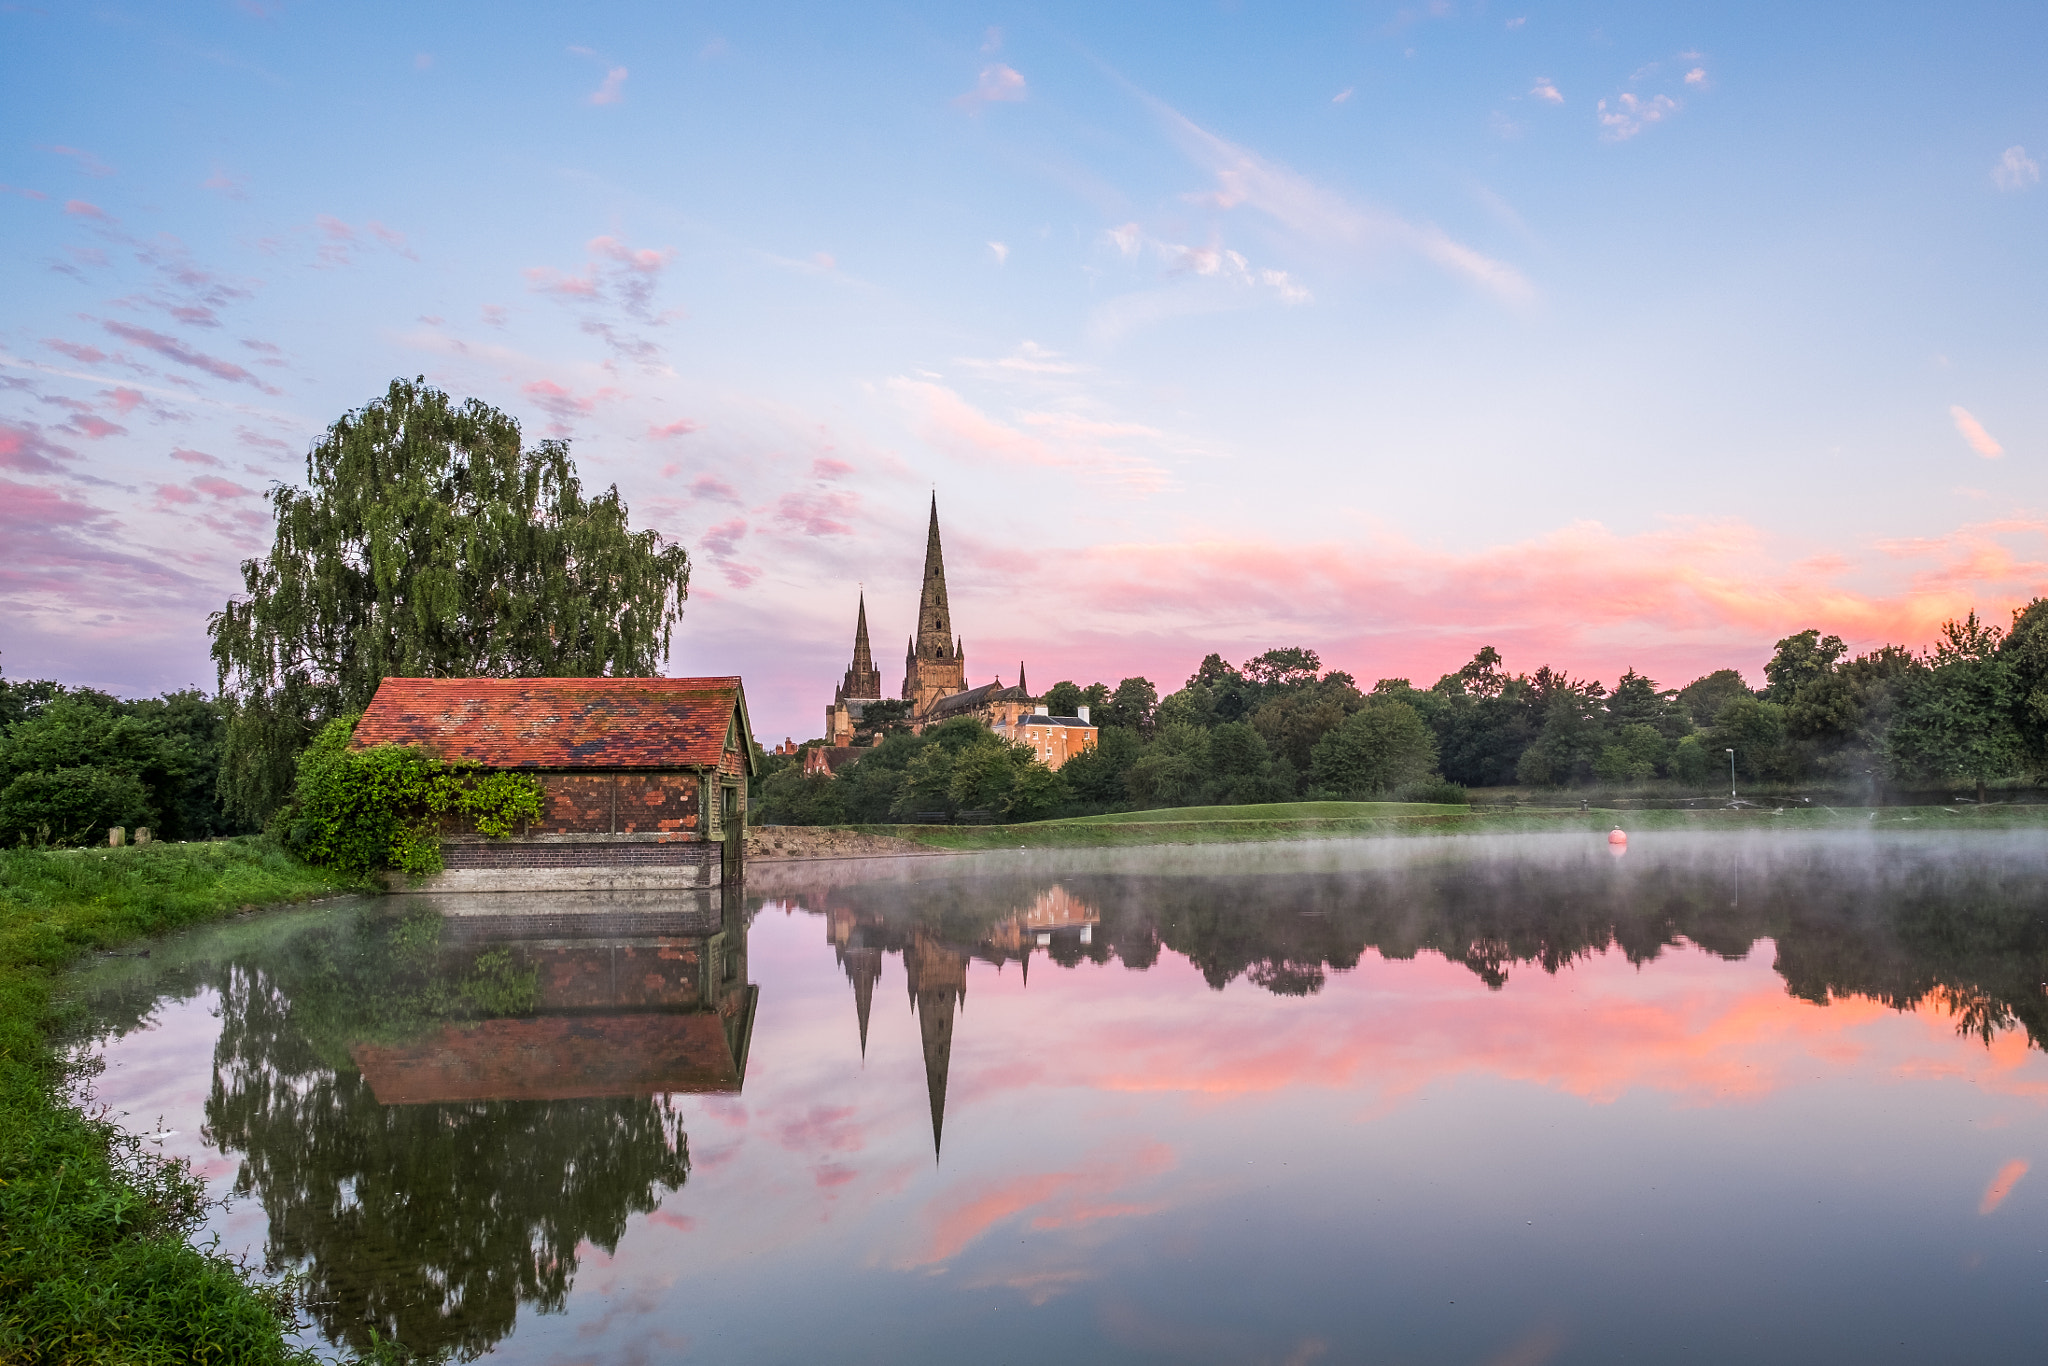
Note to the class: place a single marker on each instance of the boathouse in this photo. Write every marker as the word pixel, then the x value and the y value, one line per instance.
pixel 645 778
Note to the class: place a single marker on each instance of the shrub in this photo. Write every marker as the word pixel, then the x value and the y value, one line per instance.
pixel 361 810
pixel 71 806
pixel 1436 791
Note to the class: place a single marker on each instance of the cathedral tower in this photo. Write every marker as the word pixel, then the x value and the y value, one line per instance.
pixel 863 680
pixel 935 665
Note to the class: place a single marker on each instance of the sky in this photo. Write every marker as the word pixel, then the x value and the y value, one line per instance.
pixel 1609 335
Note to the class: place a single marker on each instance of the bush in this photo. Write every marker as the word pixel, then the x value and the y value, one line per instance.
pixel 72 806
pixel 1436 791
pixel 361 810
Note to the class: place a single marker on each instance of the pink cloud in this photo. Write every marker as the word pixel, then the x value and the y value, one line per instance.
pixel 612 89
pixel 122 400
pixel 562 403
pixel 87 162
pixel 824 467
pixel 680 427
pixel 219 489
pixel 1100 452
pixel 997 84
pixel 714 489
pixel 391 238
pixel 232 186
pixel 1973 432
pixel 256 440
pixel 1694 595
pixel 174 495
pixel 90 355
pixel 79 208
pixel 172 349
pixel 190 457
pixel 94 427
pixel 818 514
pixel 723 540
pixel 25 450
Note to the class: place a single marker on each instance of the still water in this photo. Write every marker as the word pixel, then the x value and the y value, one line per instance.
pixel 1504 1100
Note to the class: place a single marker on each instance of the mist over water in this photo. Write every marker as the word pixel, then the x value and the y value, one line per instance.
pixel 1761 1097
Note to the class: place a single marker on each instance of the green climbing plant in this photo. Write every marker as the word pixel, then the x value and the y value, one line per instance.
pixel 359 811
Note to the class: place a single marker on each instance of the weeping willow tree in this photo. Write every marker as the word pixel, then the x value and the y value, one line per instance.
pixel 429 542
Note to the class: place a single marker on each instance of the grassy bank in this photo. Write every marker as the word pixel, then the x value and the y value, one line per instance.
pixel 1354 820
pixel 94 1263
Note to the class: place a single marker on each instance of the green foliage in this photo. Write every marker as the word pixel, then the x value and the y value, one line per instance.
pixel 2025 649
pixel 1755 730
pixel 792 797
pixel 430 542
pixel 1638 752
pixel 72 806
pixel 96 1265
pixel 1065 698
pixel 1096 776
pixel 1799 660
pixel 1690 762
pixel 886 716
pixel 1377 749
pixel 1957 721
pixel 168 746
pixel 1174 769
pixel 1131 706
pixel 361 810
pixel 1703 698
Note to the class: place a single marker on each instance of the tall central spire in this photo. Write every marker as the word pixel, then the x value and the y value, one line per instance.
pixel 934 613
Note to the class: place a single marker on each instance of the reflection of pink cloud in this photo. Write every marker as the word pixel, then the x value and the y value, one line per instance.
pixel 2001 1185
pixel 963 1214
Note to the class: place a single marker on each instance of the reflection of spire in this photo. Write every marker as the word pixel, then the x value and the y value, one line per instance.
pixel 938 988
pixel 863 967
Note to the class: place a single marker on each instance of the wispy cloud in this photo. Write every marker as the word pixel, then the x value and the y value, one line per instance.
pixel 87 162
pixel 2015 170
pixel 1627 115
pixel 170 348
pixel 998 84
pixel 1000 251
pixel 1973 432
pixel 612 89
pixel 1111 454
pixel 1243 178
pixel 1343 96
pixel 1546 90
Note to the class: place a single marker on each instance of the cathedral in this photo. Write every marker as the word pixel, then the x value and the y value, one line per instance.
pixel 935 683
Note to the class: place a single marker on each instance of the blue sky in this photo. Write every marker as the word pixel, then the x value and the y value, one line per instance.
pixel 1610 335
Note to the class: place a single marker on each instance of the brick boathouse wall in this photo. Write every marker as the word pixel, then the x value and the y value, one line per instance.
pixel 622 804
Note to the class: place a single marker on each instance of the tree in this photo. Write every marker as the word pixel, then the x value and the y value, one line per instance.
pixel 888 716
pixel 1174 768
pixel 1065 698
pixel 2025 649
pixel 1293 722
pixel 1280 669
pixel 1799 660
pixel 1572 735
pixel 1382 746
pixel 1131 706
pixel 430 542
pixel 1755 730
pixel 1096 776
pixel 170 746
pixel 1242 770
pixel 1959 719
pixel 1703 698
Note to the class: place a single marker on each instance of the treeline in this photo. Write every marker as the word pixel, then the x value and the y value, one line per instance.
pixel 1969 712
pixel 74 761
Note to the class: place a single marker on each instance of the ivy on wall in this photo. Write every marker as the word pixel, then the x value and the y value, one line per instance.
pixel 359 811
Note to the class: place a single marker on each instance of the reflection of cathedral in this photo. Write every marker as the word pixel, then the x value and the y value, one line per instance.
pixel 935 971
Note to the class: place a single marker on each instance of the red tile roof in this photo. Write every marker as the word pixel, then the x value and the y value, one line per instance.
pixel 560 723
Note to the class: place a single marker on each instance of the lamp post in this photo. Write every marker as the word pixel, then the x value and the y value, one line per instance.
pixel 1731 775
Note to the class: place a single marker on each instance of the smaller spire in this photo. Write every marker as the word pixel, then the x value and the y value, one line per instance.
pixel 1021 685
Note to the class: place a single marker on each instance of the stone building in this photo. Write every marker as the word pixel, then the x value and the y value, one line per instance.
pixel 862 684
pixel 644 779
pixel 934 661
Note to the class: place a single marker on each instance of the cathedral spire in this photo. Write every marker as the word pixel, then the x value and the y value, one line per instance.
pixel 934 612
pixel 1022 687
pixel 863 679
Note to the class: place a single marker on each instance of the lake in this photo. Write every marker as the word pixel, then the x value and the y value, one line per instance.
pixel 1507 1100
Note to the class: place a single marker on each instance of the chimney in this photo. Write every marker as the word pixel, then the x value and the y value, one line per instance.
pixel 1082 712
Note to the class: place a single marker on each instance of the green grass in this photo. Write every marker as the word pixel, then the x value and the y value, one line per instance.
pixel 94 1262
pixel 1357 820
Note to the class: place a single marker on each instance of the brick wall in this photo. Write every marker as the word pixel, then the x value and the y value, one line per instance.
pixel 515 853
pixel 621 803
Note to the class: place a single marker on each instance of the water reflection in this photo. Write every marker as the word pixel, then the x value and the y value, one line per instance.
pixel 437 1104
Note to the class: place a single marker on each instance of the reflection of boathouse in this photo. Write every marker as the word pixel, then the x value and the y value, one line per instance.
pixel 626 1001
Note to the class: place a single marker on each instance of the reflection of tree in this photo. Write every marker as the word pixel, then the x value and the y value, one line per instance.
pixel 431 1224
pixel 1896 922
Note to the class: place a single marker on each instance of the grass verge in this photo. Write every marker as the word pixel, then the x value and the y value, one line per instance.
pixel 1243 825
pixel 94 1262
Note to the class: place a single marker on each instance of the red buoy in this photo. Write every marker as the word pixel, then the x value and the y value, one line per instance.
pixel 1617 836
